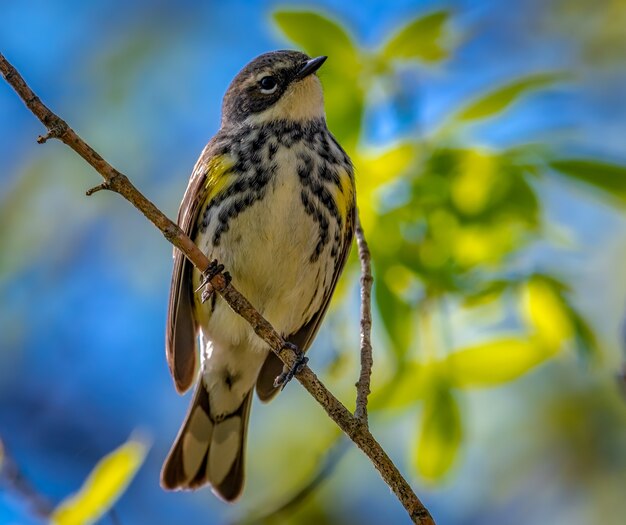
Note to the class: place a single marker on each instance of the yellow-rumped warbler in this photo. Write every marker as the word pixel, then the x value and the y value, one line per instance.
pixel 272 197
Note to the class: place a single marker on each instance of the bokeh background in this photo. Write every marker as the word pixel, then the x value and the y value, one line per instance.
pixel 490 143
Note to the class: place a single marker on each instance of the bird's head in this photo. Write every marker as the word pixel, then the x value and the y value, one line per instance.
pixel 280 85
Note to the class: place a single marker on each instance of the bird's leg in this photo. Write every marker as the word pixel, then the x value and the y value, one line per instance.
pixel 288 373
pixel 214 269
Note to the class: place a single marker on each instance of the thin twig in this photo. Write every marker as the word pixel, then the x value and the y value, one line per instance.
pixel 115 519
pixel 96 189
pixel 367 361
pixel 621 375
pixel 119 183
pixel 12 477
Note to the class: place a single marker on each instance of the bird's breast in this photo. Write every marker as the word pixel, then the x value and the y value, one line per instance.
pixel 280 233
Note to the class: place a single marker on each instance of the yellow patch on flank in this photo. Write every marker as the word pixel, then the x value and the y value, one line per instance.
pixel 218 176
pixel 343 195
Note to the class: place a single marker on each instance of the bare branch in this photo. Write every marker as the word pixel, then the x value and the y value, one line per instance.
pixel 115 519
pixel 15 481
pixel 367 361
pixel 95 189
pixel 119 183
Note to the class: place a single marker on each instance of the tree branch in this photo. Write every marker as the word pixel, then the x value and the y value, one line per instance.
pixel 367 361
pixel 115 181
pixel 11 475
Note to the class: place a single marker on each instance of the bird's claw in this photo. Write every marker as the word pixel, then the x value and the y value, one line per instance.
pixel 298 365
pixel 214 269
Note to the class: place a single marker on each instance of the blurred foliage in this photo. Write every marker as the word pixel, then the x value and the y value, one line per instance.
pixel 105 484
pixel 596 26
pixel 609 178
pixel 440 434
pixel 420 39
pixel 449 221
pixel 493 103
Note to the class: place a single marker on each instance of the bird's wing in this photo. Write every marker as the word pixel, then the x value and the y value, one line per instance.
pixel 181 331
pixel 303 337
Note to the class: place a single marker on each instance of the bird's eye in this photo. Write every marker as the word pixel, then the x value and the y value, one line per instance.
pixel 268 84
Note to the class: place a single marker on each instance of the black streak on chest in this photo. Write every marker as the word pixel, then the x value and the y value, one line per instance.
pixel 254 150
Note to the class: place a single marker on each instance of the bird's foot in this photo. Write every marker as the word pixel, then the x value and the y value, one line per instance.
pixel 214 269
pixel 298 365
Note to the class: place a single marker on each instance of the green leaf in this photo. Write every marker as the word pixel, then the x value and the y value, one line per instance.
pixel 319 35
pixel 440 435
pixel 495 362
pixel 396 316
pixel 377 168
pixel 380 166
pixel 501 98
pixel 103 487
pixel 586 341
pixel 420 39
pixel 585 338
pixel 610 178
pixel 409 385
pixel 487 293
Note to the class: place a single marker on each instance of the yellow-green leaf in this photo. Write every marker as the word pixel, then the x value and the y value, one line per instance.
pixel 491 292
pixel 404 389
pixel 420 39
pixel 501 98
pixel 105 484
pixel 475 181
pixel 586 340
pixel 494 362
pixel 480 244
pixel 547 314
pixel 383 166
pixel 395 314
pixel 440 435
pixel 318 35
pixel 377 168
pixel 610 178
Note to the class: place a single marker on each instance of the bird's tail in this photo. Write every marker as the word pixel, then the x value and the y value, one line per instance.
pixel 208 451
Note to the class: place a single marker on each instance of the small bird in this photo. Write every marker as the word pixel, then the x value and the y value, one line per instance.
pixel 272 198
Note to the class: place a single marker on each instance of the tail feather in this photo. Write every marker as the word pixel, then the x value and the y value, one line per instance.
pixel 271 369
pixel 206 451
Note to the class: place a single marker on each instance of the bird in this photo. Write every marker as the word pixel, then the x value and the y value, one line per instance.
pixel 272 198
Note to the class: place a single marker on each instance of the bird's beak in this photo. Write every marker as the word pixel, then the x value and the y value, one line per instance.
pixel 310 67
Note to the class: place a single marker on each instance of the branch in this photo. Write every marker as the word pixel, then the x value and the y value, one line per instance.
pixel 363 385
pixel 17 482
pixel 115 181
